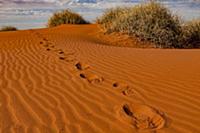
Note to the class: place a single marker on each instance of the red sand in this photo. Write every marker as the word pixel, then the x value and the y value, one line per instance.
pixel 63 80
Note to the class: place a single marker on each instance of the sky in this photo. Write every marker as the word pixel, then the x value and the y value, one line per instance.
pixel 26 14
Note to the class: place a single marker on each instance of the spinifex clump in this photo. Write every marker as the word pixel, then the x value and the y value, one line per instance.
pixel 65 17
pixel 149 22
pixel 8 28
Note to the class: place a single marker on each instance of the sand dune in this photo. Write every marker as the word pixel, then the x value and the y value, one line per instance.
pixel 63 80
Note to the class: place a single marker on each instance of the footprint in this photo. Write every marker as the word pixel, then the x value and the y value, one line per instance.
pixel 128 92
pixel 41 42
pixel 124 88
pixel 62 58
pixel 48 49
pixel 82 76
pixel 91 78
pixel 57 50
pixel 66 59
pixel 70 60
pixel 82 66
pixel 46 45
pixel 61 52
pixel 45 39
pixel 118 85
pixel 143 117
pixel 115 84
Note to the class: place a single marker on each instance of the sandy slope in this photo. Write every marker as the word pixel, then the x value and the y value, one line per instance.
pixel 61 80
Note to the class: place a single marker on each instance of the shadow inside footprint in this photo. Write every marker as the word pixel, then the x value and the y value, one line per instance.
pixel 115 85
pixel 82 66
pixel 82 76
pixel 61 52
pixel 120 85
pixel 41 42
pixel 48 49
pixel 62 58
pixel 144 117
pixel 127 110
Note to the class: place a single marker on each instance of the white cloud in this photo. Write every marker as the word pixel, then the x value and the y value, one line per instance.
pixel 61 2
pixel 35 13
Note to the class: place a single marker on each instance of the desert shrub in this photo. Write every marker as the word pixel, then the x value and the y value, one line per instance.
pixel 191 35
pixel 65 17
pixel 150 21
pixel 8 28
pixel 109 18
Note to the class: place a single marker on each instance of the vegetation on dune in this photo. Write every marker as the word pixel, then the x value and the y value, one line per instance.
pixel 191 34
pixel 8 28
pixel 65 17
pixel 151 22
pixel 108 19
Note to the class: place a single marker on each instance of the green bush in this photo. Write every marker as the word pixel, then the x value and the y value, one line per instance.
pixel 191 35
pixel 150 21
pixel 8 28
pixel 65 17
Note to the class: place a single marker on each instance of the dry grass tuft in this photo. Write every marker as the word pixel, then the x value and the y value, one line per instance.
pixel 191 34
pixel 109 19
pixel 151 22
pixel 65 17
pixel 8 28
